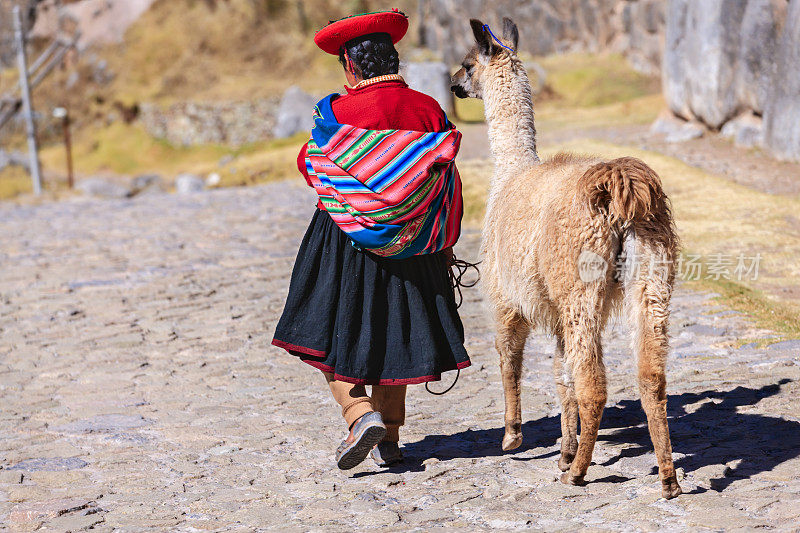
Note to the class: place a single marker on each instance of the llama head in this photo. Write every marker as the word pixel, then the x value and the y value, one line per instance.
pixel 485 54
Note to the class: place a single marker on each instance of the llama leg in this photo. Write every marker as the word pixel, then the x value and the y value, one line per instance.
pixel 569 407
pixel 653 388
pixel 650 309
pixel 512 330
pixel 584 355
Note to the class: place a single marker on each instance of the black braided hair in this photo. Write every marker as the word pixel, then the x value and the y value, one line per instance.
pixel 372 54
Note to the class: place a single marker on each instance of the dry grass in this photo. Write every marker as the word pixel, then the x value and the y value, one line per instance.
pixel 555 115
pixel 13 182
pixel 182 49
pixel 475 175
pixel 128 149
pixel 121 149
pixel 276 161
pixel 587 80
pixel 714 216
pixel 768 313
pixel 551 116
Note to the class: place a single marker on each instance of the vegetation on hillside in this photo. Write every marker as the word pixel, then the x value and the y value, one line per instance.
pixel 233 49
pixel 240 49
pixel 180 50
pixel 196 50
pixel 586 87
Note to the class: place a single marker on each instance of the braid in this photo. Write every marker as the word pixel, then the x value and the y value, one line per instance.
pixel 373 55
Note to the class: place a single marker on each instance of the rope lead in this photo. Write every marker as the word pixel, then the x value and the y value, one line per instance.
pixel 456 282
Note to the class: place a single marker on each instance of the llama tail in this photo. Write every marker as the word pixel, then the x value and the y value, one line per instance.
pixel 630 193
pixel 626 189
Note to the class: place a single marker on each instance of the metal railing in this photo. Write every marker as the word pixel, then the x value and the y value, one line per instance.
pixel 30 76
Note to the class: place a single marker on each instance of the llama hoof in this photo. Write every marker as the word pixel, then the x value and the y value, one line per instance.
pixel 569 479
pixel 511 441
pixel 670 488
pixel 565 461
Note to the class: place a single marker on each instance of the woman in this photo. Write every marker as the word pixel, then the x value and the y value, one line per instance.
pixel 370 302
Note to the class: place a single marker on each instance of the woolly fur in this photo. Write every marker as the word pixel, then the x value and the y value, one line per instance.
pixel 543 220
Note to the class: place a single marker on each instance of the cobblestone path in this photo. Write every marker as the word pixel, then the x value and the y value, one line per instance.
pixel 138 390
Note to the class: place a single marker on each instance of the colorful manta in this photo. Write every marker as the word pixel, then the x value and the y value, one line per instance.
pixel 395 193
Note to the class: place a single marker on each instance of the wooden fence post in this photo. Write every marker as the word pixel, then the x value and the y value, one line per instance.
pixel 27 107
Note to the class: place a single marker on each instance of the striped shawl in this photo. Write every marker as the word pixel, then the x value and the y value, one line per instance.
pixel 395 193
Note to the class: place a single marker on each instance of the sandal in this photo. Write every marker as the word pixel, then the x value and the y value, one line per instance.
pixel 367 432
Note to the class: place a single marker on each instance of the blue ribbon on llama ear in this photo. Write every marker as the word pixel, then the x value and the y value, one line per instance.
pixel 487 28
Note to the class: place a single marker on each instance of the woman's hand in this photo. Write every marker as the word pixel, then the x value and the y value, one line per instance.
pixel 450 256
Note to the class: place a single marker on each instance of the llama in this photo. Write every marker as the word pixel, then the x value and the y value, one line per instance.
pixel 554 234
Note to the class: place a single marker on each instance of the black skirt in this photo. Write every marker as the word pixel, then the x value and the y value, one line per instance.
pixel 368 319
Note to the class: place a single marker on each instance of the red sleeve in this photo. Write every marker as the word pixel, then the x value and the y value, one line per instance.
pixel 301 163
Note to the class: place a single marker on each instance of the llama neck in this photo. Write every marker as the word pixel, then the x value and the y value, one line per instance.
pixel 509 113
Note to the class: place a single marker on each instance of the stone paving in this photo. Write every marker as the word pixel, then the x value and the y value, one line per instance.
pixel 139 391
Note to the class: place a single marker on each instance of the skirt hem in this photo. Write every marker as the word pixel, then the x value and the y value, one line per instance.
pixel 304 353
pixel 294 349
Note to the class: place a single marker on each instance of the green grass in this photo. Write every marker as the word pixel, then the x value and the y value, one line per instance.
pixel 767 313
pixel 585 90
pixel 469 110
pixel 587 80
pixel 121 149
pixel 13 182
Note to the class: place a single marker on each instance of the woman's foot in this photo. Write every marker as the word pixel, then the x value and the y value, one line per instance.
pixel 366 433
pixel 386 453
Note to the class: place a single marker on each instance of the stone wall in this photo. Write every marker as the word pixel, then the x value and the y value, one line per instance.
pixel 728 58
pixel 230 123
pixel 634 28
pixel 782 108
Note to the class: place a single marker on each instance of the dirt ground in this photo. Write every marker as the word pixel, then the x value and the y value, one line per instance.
pixel 140 393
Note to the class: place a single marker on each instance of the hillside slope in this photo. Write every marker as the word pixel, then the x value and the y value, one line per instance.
pixel 231 49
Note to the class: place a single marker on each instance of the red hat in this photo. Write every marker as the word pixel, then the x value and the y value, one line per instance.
pixel 334 35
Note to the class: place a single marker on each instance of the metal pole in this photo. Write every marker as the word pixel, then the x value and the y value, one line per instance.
pixel 68 146
pixel 27 107
pixel 45 56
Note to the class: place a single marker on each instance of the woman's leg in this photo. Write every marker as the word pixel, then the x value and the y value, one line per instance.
pixel 353 399
pixel 390 402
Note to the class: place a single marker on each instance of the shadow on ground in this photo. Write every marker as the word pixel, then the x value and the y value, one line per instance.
pixel 705 427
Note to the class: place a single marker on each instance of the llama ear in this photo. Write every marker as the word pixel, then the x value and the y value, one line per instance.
pixel 510 32
pixel 483 39
pixel 477 30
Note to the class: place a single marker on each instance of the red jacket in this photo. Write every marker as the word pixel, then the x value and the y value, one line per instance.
pixel 388 105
